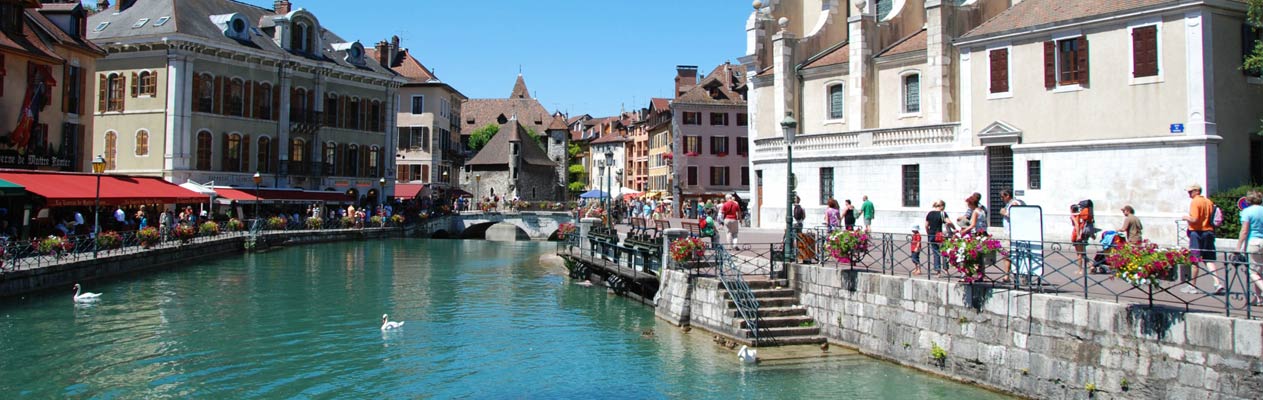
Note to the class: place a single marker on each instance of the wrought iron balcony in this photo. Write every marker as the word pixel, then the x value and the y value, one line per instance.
pixel 305 122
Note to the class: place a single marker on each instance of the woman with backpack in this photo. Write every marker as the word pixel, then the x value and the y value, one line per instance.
pixel 977 216
pixel 1081 220
pixel 706 224
pixel 938 228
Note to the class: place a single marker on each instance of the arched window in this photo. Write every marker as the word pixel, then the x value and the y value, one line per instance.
pixel 204 143
pixel 912 93
pixel 300 37
pixel 263 100
pixel 111 149
pixel 373 165
pixel 232 153
pixel 331 109
pixel 142 143
pixel 297 150
pixel 836 101
pixel 204 86
pixel 114 92
pixel 264 162
pixel 235 99
pixel 146 84
pixel 298 105
pixel 331 155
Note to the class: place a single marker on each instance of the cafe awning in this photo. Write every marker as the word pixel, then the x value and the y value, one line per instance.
pixel 407 190
pixel 66 189
pixel 280 196
pixel 11 189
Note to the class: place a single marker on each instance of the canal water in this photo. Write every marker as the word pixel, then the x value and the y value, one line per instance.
pixel 482 320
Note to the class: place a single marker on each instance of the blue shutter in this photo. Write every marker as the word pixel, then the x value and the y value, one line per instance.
pixel 836 102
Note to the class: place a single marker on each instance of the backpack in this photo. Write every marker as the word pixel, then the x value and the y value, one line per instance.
pixel 1217 217
pixel 799 213
pixel 701 223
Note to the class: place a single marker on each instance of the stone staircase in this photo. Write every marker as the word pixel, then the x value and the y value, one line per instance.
pixel 786 322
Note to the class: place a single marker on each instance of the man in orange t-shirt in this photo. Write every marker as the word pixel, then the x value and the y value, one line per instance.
pixel 1201 237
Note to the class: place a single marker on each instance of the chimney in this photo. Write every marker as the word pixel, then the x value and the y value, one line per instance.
pixel 102 5
pixel 281 6
pixel 394 49
pixel 123 5
pixel 384 55
pixel 685 78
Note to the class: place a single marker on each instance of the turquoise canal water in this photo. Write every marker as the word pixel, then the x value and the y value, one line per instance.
pixel 483 320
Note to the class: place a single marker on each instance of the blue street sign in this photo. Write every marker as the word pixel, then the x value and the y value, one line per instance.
pixel 1177 128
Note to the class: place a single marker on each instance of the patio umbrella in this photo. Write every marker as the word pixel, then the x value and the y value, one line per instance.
pixel 593 194
pixel 624 191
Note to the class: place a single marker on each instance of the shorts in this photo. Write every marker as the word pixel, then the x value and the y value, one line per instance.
pixel 1202 243
pixel 868 222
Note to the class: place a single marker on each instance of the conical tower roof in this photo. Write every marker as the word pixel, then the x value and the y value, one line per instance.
pixel 519 89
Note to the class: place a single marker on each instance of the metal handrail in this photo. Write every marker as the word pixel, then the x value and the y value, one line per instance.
pixel 742 296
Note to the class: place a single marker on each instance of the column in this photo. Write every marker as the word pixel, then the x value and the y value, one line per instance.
pixel 179 134
pixel 859 88
pixel 937 81
pixel 283 78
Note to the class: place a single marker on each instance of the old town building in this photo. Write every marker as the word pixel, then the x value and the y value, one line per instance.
pixel 46 62
pixel 217 90
pixel 912 101
pixel 709 130
pixel 429 119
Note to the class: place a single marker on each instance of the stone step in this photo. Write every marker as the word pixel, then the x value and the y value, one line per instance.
pixel 766 293
pixel 799 340
pixel 780 332
pixel 764 283
pixel 781 322
pixel 769 302
pixel 766 312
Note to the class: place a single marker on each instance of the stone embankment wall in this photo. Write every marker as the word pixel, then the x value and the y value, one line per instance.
pixel 697 302
pixel 1036 345
pixel 67 274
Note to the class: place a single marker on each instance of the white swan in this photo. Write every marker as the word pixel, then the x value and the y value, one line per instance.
pixel 85 297
pixel 748 355
pixel 387 324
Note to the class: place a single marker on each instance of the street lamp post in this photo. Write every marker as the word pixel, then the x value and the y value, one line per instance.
pixel 98 168
pixel 788 125
pixel 609 190
pixel 257 180
pixel 478 190
pixel 381 194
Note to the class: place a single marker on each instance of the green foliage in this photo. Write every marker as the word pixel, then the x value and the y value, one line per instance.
pixel 541 139
pixel 1227 202
pixel 1254 61
pixel 573 150
pixel 938 354
pixel 1124 384
pixel 576 169
pixel 575 187
pixel 481 136
pixel 807 324
pixel 1091 388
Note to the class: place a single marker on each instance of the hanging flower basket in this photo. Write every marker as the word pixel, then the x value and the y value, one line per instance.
pixel 969 254
pixel 209 228
pixel 722 154
pixel 150 236
pixel 565 230
pixel 184 233
pixel 848 246
pixel 687 249
pixel 54 246
pixel 108 240
pixel 396 220
pixel 235 225
pixel 315 223
pixel 377 220
pixel 1144 265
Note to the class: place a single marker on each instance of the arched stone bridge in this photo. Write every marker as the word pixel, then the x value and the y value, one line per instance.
pixel 531 225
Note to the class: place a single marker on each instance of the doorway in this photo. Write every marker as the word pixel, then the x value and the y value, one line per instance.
pixel 999 177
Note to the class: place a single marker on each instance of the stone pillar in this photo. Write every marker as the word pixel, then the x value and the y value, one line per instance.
pixel 785 77
pixel 862 27
pixel 284 78
pixel 668 236
pixel 585 226
pixel 938 100
pixel 179 131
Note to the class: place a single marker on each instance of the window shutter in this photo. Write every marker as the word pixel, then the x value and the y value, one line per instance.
pixel 102 93
pixel 274 156
pixel 245 153
pixel 223 153
pixel 197 91
pixel 276 102
pixel 999 70
pixel 1081 56
pixel 342 111
pixel 135 85
pixel 65 94
pixel 1145 51
pixel 83 84
pixel 311 107
pixel 218 107
pixel 247 99
pixel 1050 64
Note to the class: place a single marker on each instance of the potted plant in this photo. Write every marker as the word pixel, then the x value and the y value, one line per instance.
pixel 54 246
pixel 315 223
pixel 348 222
pixel 149 236
pixel 396 220
pixel 377 220
pixel 970 254
pixel 235 225
pixel 276 223
pixel 687 251
pixel 208 228
pixel 848 246
pixel 184 233
pixel 1145 266
pixel 108 240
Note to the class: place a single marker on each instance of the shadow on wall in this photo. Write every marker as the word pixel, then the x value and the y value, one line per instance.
pixel 1156 320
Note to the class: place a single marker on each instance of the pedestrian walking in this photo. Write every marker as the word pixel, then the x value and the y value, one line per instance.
pixel 1201 237
pixel 869 212
pixel 1131 225
pixel 731 212
pixel 1251 241
pixel 799 215
pixel 915 249
pixel 1006 198
pixel 1080 217
pixel 936 227
pixel 832 216
pixel 848 215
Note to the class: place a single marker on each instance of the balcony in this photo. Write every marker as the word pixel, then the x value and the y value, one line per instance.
pixel 306 168
pixel 305 122
pixel 866 141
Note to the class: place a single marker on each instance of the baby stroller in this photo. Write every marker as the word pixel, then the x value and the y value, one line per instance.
pixel 1110 240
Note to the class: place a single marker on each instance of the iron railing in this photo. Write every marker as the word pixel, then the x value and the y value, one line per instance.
pixel 743 298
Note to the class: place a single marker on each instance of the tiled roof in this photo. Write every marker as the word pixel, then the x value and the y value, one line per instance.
pixel 839 54
pixel 60 36
pixel 1034 13
pixel 488 111
pixel 519 89
pixel 610 139
pixel 405 65
pixel 719 87
pixel 499 150
pixel 659 103
pixel 192 17
pixel 914 42
pixel 28 41
pixel 558 124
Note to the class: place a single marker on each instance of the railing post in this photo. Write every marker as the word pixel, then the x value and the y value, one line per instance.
pixel 669 235
pixel 585 225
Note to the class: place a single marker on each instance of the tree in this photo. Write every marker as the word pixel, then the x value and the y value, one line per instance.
pixel 480 137
pixel 1254 61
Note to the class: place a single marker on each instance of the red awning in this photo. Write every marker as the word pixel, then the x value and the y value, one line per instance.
pixel 407 190
pixel 66 189
pixel 282 195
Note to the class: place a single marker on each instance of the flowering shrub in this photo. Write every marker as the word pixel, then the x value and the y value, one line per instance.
pixel 184 232
pixel 150 236
pixel 108 240
pixel 54 245
pixel 315 223
pixel 687 249
pixel 235 225
pixel 208 228
pixel 848 246
pixel 396 219
pixel 276 223
pixel 1145 264
pixel 565 230
pixel 348 222
pixel 969 253
pixel 376 220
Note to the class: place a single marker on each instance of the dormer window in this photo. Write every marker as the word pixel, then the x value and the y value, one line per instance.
pixel 303 38
pixel 354 52
pixel 233 25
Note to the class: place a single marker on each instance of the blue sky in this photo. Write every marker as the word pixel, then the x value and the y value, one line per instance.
pixel 593 56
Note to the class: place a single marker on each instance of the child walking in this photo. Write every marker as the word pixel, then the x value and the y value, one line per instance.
pixel 916 249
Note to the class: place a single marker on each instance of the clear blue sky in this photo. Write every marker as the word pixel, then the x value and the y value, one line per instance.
pixel 592 56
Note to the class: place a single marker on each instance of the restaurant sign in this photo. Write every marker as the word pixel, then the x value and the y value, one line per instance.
pixel 12 159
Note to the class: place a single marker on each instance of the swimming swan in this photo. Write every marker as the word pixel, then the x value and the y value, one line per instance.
pixel 748 355
pixel 387 324
pixel 85 297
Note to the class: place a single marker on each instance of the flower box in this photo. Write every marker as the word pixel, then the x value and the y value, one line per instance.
pixel 848 246
pixel 970 254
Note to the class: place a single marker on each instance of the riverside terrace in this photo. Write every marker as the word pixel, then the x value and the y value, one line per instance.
pixel 1057 336
pixel 27 266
